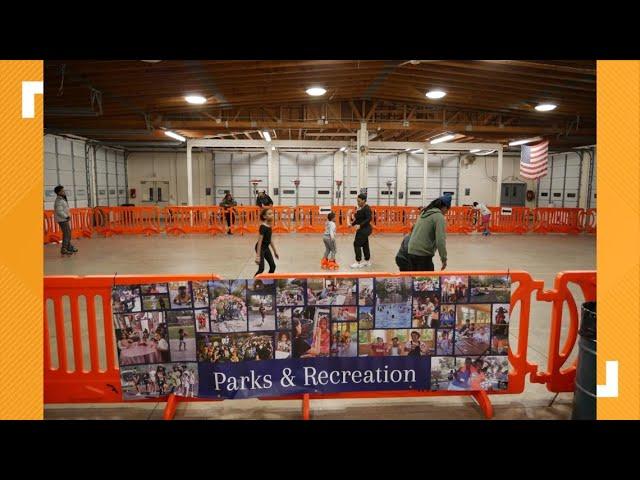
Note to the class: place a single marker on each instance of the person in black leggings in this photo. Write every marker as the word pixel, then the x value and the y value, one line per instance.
pixel 264 241
pixel 362 222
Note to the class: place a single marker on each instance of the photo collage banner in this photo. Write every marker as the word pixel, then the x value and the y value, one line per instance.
pixel 260 338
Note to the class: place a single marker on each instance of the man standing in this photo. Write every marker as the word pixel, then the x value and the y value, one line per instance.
pixel 63 217
pixel 264 200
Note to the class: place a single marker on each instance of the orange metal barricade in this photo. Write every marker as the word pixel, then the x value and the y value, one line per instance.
pixel 411 215
pixel 282 219
pixel 508 220
pixel 388 219
pixel 79 375
pixel 460 220
pixel 309 219
pixel 557 220
pixel 81 225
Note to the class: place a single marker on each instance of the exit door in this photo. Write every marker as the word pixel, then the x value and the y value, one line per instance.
pixel 513 194
pixel 156 192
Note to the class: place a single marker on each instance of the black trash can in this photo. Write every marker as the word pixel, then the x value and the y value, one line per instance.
pixel 584 399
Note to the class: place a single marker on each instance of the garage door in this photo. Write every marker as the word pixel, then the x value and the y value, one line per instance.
pixel 593 175
pixel 234 172
pixel 442 177
pixel 65 164
pixel 382 168
pixel 111 182
pixel 315 173
pixel 561 186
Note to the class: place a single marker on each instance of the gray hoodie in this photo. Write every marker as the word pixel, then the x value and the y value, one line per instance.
pixel 429 235
pixel 61 209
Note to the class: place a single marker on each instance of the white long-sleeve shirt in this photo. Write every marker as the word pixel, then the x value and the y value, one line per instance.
pixel 483 209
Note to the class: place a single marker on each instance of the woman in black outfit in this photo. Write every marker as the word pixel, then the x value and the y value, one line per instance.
pixel 264 241
pixel 362 222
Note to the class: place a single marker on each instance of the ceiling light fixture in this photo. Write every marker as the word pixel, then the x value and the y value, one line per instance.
pixel 343 149
pixel 151 61
pixel 435 94
pixel 475 150
pixel 316 91
pixel 266 135
pixel 195 99
pixel 523 141
pixel 488 152
pixel 443 138
pixel 546 107
pixel 171 134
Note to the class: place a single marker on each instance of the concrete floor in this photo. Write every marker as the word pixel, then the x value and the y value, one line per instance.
pixel 543 256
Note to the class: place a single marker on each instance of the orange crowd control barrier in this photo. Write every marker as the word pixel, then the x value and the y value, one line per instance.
pixel 460 220
pixel 508 220
pixel 81 225
pixel 557 220
pixel 127 220
pixel 183 220
pixel 282 219
pixel 309 219
pixel 244 219
pixel 179 220
pixel 589 221
pixel 344 216
pixel 388 219
pixel 80 359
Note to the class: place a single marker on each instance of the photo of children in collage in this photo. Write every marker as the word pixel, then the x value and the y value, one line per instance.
pixel 460 322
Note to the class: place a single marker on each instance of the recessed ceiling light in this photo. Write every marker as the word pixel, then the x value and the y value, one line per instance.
pixel 195 99
pixel 171 134
pixel 435 94
pixel 316 91
pixel 266 136
pixel 443 138
pixel 546 107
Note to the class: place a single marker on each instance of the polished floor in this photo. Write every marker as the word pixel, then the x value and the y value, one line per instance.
pixel 543 256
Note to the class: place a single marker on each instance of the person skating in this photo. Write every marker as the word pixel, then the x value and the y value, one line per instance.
pixel 227 204
pixel 485 216
pixel 429 235
pixel 63 217
pixel 329 238
pixel 264 242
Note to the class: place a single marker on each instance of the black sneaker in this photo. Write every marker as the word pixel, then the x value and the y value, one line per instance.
pixel 73 249
pixel 66 252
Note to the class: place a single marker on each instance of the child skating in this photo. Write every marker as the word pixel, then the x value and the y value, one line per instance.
pixel 264 242
pixel 486 216
pixel 329 238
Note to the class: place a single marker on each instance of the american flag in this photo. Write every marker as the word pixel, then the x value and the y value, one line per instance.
pixel 534 160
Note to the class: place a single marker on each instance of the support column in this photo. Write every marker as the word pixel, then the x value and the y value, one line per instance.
pixel 338 174
pixel 189 175
pixel 401 180
pixel 425 174
pixel 273 171
pixel 363 141
pixel 499 178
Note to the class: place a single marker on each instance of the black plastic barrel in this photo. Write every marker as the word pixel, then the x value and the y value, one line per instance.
pixel 584 399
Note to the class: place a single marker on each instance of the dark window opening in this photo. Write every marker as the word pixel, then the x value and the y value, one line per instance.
pixel 324 192
pixel 290 192
pixel 571 195
pixel 415 192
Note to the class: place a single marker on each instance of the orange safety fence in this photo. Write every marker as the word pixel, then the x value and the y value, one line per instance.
pixel 81 225
pixel 80 356
pixel 508 220
pixel 127 220
pixel 309 219
pixel 460 220
pixel 557 220
pixel 177 220
pixel 282 219
pixel 182 220
pixel 244 219
pixel 344 216
pixel 388 219
pixel 589 221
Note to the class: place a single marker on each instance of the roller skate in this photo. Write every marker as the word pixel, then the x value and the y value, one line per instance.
pixel 324 263
pixel 66 253
pixel 332 265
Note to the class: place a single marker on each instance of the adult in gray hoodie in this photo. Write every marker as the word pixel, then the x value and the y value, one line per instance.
pixel 429 235
pixel 63 217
